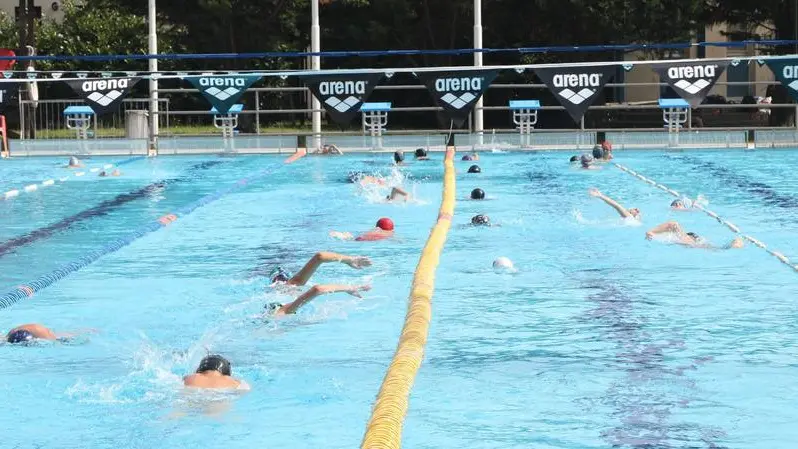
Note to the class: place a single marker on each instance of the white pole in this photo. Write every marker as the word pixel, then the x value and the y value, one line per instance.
pixel 478 123
pixel 153 41
pixel 315 64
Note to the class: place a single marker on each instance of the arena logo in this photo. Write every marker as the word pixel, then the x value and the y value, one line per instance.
pixel 577 88
pixel 115 88
pixel 342 95
pixel 790 72
pixel 471 86
pixel 232 86
pixel 693 79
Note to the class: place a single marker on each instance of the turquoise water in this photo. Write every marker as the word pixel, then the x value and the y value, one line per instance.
pixel 602 339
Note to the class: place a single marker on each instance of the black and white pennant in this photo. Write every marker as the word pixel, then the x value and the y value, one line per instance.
pixel 576 87
pixel 103 95
pixel 691 80
pixel 786 71
pixel 222 91
pixel 457 91
pixel 342 95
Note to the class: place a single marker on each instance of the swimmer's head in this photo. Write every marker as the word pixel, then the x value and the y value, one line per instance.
pixel 354 176
pixel 474 169
pixel 480 220
pixel 398 156
pixel 677 204
pixel 574 158
pixel 606 146
pixel 272 307
pixel 635 212
pixel 20 336
pixel 477 194
pixel 215 363
pixel 598 153
pixel 279 275
pixel 586 160
pixel 386 224
pixel 421 153
pixel 693 236
pixel 467 157
pixel 103 174
pixel 503 264
pixel 73 161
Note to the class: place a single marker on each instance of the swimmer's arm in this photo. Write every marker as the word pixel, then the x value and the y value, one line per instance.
pixel 670 226
pixel 615 205
pixel 318 290
pixel 398 191
pixel 321 257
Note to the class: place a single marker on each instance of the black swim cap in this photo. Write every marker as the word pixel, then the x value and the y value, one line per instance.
pixel 574 158
pixel 215 363
pixel 477 194
pixel 354 176
pixel 677 203
pixel 398 156
pixel 421 152
pixel 598 153
pixel 20 336
pixel 474 169
pixel 480 220
pixel 693 235
pixel 467 157
pixel 272 307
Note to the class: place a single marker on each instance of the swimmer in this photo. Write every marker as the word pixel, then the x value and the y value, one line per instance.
pixel 624 212
pixel 396 193
pixel 480 220
pixel 329 149
pixel 421 155
pixel 574 159
pixel 470 157
pixel 74 162
pixel 598 153
pixel 477 194
pixel 690 239
pixel 682 204
pixel 364 179
pixel 399 157
pixel 503 265
pixel 214 372
pixel 587 162
pixel 606 150
pixel 474 169
pixel 116 172
pixel 28 333
pixel 382 230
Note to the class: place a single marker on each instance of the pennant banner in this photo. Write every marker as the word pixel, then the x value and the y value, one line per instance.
pixel 576 87
pixel 103 95
pixel 222 91
pixel 8 91
pixel 691 80
pixel 342 95
pixel 456 91
pixel 786 71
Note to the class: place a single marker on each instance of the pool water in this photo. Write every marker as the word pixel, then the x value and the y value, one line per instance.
pixel 602 339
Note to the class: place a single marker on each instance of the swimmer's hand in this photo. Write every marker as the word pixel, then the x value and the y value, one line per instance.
pixel 357 262
pixel 594 192
pixel 356 289
pixel 341 235
pixel 649 235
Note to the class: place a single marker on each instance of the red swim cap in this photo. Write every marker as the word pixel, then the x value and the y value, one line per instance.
pixel 385 224
pixel 606 144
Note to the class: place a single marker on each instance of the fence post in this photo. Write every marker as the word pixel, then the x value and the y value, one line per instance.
pixel 257 112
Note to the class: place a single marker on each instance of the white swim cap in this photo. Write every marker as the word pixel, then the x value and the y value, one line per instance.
pixel 503 264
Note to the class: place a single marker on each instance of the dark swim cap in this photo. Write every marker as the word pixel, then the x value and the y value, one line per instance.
pixel 279 275
pixel 215 363
pixel 693 235
pixel 467 157
pixel 474 169
pixel 598 153
pixel 421 152
pixel 354 176
pixel 477 194
pixel 574 158
pixel 480 220
pixel 20 336
pixel 677 203
pixel 272 307
pixel 398 156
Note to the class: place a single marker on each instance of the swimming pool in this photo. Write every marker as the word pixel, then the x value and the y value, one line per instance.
pixel 602 339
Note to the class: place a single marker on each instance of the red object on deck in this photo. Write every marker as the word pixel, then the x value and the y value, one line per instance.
pixel 7 64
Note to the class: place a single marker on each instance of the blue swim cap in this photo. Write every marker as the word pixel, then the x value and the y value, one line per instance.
pixel 279 275
pixel 20 336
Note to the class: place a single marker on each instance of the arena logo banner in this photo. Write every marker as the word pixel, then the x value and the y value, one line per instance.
pixel 691 80
pixel 8 91
pixel 786 71
pixel 576 87
pixel 456 91
pixel 222 91
pixel 103 95
pixel 342 95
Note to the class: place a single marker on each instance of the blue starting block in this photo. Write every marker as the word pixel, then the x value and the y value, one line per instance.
pixel 79 118
pixel 525 117
pixel 375 120
pixel 675 113
pixel 227 122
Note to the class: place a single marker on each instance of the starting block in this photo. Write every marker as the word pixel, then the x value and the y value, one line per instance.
pixel 79 118
pixel 525 117
pixel 674 114
pixel 375 120
pixel 227 122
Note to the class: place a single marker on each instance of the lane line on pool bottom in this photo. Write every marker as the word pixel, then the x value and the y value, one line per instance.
pixel 29 289
pixel 734 228
pixel 49 182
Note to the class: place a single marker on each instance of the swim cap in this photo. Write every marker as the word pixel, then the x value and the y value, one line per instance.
pixel 477 194
pixel 597 152
pixel 272 307
pixel 677 203
pixel 474 169
pixel 693 235
pixel 480 220
pixel 215 363
pixel 20 336
pixel 73 160
pixel 421 153
pixel 467 157
pixel 279 275
pixel 586 159
pixel 503 264
pixel 574 158
pixel 385 224
pixel 398 156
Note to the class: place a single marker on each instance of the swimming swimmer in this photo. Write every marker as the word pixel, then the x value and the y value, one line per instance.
pixel 574 159
pixel 421 155
pixel 474 156
pixel 480 220
pixel 587 162
pixel 624 212
pixel 597 152
pixel 74 162
pixel 329 149
pixel 503 265
pixel 690 239
pixel 396 193
pixel 474 169
pixel 477 194
pixel 682 204
pixel 29 332
pixel 214 371
pixel 399 157
pixel 116 172
pixel 606 150
pixel 382 230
